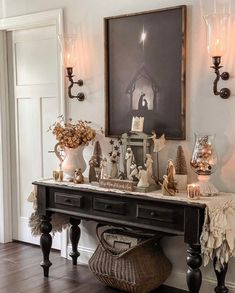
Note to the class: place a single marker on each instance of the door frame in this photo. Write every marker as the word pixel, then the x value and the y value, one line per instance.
pixel 51 17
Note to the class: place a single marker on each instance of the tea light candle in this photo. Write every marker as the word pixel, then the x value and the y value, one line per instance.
pixel 55 175
pixel 58 175
pixel 193 191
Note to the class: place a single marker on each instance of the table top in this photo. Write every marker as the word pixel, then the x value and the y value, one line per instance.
pixel 180 198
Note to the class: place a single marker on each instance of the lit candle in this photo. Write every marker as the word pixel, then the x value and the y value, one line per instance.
pixel 55 175
pixel 58 175
pixel 193 191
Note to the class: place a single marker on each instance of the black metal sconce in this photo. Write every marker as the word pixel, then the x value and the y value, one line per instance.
pixel 69 49
pixel 216 17
pixel 80 96
pixel 224 93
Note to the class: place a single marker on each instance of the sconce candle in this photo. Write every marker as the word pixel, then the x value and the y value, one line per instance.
pixel 70 51
pixel 193 191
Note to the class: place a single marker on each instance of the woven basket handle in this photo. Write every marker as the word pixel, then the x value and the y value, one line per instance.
pixel 111 251
pixel 103 243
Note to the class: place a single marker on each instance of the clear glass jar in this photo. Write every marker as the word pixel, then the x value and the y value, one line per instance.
pixel 204 158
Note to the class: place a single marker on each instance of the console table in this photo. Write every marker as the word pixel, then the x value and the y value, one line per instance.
pixel 170 217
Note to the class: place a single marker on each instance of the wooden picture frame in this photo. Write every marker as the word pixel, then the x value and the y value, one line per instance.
pixel 145 71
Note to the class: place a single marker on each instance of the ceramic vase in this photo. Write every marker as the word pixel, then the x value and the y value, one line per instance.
pixel 73 159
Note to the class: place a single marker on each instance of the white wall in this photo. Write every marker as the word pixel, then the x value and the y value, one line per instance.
pixel 205 112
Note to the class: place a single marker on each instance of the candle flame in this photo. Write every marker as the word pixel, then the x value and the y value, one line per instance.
pixel 143 36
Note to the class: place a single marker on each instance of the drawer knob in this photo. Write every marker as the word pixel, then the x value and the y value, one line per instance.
pixel 67 200
pixel 108 206
pixel 152 214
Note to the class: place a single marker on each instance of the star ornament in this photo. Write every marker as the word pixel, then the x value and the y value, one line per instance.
pixel 111 142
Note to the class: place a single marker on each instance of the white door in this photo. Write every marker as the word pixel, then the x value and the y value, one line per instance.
pixel 34 106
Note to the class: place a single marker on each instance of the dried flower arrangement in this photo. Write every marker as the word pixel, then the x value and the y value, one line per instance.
pixel 72 134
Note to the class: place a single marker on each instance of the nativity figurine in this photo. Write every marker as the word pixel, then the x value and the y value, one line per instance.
pixel 92 172
pixel 165 187
pixel 149 169
pixel 129 157
pixel 114 167
pixel 134 173
pixel 158 143
pixel 143 178
pixel 169 186
pixel 104 168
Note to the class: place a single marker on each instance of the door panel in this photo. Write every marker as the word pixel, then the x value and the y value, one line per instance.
pixel 37 68
pixel 35 107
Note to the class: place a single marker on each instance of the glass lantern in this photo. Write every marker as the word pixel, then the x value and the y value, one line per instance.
pixel 69 47
pixel 204 162
pixel 217 27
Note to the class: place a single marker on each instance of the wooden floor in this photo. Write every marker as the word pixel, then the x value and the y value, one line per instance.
pixel 20 273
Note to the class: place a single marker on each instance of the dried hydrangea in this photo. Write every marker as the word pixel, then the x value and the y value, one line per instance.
pixel 72 134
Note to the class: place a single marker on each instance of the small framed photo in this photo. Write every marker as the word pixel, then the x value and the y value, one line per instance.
pixel 137 124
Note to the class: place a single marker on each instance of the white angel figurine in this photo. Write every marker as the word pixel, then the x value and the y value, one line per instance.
pixel 129 157
pixel 159 143
pixel 104 168
pixel 143 178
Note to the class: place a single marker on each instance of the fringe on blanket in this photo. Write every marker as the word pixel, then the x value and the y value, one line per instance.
pixel 218 235
pixel 58 221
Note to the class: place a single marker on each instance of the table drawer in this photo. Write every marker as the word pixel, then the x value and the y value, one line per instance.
pixel 162 214
pixel 68 199
pixel 110 206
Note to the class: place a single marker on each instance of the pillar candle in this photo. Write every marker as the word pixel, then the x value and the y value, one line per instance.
pixel 193 191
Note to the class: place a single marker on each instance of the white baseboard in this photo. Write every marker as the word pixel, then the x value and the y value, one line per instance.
pixel 85 254
pixel 177 279
pixel 23 234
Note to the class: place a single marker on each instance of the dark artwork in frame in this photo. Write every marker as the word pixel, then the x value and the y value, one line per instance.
pixel 145 71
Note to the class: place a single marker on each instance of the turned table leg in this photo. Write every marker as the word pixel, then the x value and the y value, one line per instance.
pixel 45 243
pixel 75 233
pixel 194 261
pixel 220 275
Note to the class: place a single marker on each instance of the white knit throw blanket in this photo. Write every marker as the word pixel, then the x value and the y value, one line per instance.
pixel 218 234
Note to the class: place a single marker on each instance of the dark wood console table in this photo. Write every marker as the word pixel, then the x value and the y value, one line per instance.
pixel 171 217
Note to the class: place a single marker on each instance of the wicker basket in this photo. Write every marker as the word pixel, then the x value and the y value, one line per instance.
pixel 139 269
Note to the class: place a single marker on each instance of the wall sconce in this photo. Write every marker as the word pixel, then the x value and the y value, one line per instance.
pixel 217 27
pixel 70 50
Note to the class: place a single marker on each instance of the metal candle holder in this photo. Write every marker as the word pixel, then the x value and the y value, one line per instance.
pixel 80 96
pixel 224 93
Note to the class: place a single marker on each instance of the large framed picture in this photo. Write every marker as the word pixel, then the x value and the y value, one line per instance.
pixel 145 71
